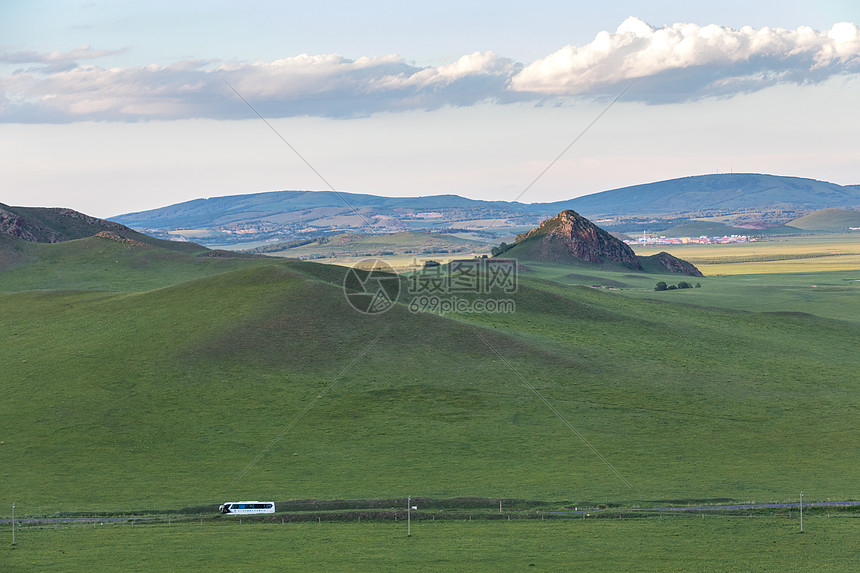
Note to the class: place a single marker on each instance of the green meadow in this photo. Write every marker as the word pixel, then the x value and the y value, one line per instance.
pixel 673 543
pixel 821 294
pixel 137 379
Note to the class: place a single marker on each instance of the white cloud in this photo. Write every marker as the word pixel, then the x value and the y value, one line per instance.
pixel 475 64
pixel 670 64
pixel 323 85
pixel 82 52
pixel 692 59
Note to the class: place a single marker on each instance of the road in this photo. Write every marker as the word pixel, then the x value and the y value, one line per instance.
pixel 728 507
pixel 48 520
pixel 734 507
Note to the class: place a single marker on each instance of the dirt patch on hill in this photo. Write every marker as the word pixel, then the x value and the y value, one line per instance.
pixel 120 239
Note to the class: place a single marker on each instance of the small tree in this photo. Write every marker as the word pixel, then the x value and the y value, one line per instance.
pixel 684 284
pixel 661 286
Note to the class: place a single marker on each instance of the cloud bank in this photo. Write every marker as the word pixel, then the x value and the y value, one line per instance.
pixel 685 61
pixel 669 64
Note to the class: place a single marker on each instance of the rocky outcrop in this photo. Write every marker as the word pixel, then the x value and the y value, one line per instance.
pixel 569 235
pixel 571 238
pixel 665 262
pixel 53 224
pixel 12 223
pixel 120 239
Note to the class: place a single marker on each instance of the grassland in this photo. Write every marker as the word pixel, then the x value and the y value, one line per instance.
pixel 673 543
pixel 162 397
pixel 822 294
pixel 137 380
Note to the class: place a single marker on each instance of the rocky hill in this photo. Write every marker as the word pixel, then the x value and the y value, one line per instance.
pixel 664 262
pixel 53 225
pixel 570 238
pixel 56 225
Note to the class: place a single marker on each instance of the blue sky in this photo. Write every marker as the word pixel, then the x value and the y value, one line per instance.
pixel 112 107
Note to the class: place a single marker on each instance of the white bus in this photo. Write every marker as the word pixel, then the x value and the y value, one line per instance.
pixel 246 507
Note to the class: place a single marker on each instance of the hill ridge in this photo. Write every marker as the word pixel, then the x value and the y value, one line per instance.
pixel 723 191
pixel 53 224
pixel 293 214
pixel 828 220
pixel 61 224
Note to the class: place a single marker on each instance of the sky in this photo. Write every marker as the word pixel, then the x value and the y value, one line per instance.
pixel 116 107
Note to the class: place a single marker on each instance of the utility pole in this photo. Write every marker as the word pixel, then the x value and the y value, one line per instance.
pixel 409 516
pixel 13 524
pixel 801 512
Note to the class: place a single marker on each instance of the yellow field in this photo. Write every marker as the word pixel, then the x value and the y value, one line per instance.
pixel 194 233
pixel 782 255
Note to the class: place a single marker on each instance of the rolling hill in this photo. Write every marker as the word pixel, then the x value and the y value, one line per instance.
pixel 719 193
pixel 49 248
pixel 287 215
pixel 137 377
pixel 237 208
pixel 834 220
pixel 261 382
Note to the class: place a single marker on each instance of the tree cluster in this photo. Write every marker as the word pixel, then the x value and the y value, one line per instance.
pixel 682 284
pixel 503 247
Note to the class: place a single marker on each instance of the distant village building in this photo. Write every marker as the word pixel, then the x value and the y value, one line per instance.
pixel 703 240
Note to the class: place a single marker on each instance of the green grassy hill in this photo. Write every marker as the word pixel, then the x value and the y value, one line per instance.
pixel 162 395
pixel 828 220
pixel 99 263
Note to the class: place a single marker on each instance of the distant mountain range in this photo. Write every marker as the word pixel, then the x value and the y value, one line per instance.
pixel 721 192
pixel 288 215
